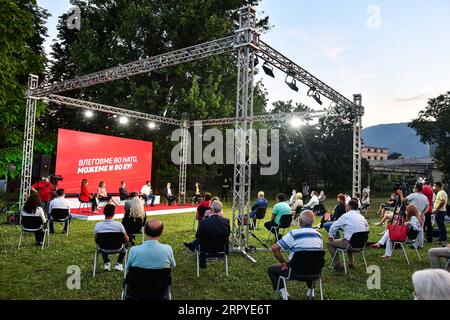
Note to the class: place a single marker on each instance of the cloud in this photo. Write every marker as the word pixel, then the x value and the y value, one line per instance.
pixel 334 53
pixel 411 99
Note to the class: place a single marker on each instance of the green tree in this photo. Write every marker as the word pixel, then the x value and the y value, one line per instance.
pixel 22 33
pixel 433 126
pixel 121 31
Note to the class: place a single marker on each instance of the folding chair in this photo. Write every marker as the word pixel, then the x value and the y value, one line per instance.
pixel 259 215
pixel 147 284
pixel 83 205
pixel 285 223
pixel 32 224
pixel 411 238
pixel 110 243
pixel 61 216
pixel 357 243
pixel 305 266
pixel 213 249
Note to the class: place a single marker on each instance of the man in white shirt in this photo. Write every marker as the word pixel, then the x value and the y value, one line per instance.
pixel 313 202
pixel 59 203
pixel 350 223
pixel 420 201
pixel 147 194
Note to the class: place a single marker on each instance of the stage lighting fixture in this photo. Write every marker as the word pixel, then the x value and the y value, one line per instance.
pixel 256 61
pixel 88 114
pixel 123 120
pixel 291 82
pixel 151 125
pixel 295 122
pixel 268 70
pixel 312 92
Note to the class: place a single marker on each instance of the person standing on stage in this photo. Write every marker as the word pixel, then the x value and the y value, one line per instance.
pixel 44 189
pixel 85 196
pixel 147 193
pixel 225 189
pixel 197 194
pixel 168 194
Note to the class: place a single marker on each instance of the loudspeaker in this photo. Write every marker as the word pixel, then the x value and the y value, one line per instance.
pixel 45 165
pixel 41 165
pixel 36 170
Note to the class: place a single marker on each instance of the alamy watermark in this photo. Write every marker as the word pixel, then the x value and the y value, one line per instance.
pixel 221 147
pixel 374 280
pixel 74 279
pixel 374 20
pixel 74 19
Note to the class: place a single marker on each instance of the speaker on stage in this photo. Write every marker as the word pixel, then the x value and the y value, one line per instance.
pixel 41 165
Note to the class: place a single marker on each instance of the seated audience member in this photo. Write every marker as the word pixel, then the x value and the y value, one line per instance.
pixel 347 198
pixel 280 209
pixel 204 206
pixel 414 222
pixel 339 211
pixel 358 197
pixel 102 194
pixel 123 191
pixel 436 254
pixel 111 226
pixel 303 239
pixel 322 197
pixel 440 211
pixel 261 202
pixel 152 254
pixel 85 196
pixel 216 226
pixel 431 284
pixel 298 203
pixel 292 198
pixel 350 223
pixel 128 203
pixel 58 203
pixel 168 194
pixel 134 219
pixel 420 201
pixel 313 202
pixel 365 202
pixel 389 205
pixel 208 212
pixel 44 189
pixel 32 208
pixel 147 194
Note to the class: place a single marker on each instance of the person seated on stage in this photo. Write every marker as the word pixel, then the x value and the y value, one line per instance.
pixel 123 191
pixel 216 226
pixel 134 219
pixel 32 207
pixel 44 188
pixel 208 212
pixel 350 223
pixel 128 203
pixel 280 209
pixel 414 222
pixel 147 194
pixel 436 254
pixel 85 196
pixel 102 194
pixel 339 210
pixel 203 206
pixel 168 194
pixel 303 239
pixel 261 202
pixel 197 195
pixel 313 202
pixel 59 203
pixel 111 226
pixel 152 254
pixel 431 284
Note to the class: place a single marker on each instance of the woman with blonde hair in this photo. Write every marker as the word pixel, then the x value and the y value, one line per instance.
pixel 298 203
pixel 135 219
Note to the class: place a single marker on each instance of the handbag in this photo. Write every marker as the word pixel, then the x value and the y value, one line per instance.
pixel 398 232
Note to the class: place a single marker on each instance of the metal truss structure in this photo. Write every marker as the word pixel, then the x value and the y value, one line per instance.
pixel 245 43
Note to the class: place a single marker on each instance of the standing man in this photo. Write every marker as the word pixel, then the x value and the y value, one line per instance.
pixel 59 203
pixel 169 195
pixel 428 192
pixel 440 211
pixel 44 189
pixel 147 193
pixel 225 189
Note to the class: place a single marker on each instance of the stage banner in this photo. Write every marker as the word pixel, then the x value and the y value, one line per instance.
pixel 98 158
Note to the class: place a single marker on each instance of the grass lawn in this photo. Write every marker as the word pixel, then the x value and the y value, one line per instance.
pixel 34 274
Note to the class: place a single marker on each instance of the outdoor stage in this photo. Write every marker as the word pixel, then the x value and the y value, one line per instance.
pixel 159 209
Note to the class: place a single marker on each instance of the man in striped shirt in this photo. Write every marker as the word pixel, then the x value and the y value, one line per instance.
pixel 303 239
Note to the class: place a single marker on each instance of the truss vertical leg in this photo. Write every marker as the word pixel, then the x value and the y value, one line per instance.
pixel 28 140
pixel 183 159
pixel 245 39
pixel 357 129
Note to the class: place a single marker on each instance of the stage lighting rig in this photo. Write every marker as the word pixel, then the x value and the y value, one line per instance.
pixel 312 92
pixel 151 125
pixel 268 70
pixel 123 120
pixel 296 122
pixel 88 114
pixel 291 82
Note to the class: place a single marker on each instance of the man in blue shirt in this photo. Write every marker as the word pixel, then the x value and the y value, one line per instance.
pixel 280 209
pixel 152 254
pixel 261 202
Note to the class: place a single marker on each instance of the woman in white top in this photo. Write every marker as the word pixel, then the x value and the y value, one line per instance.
pixel 414 222
pixel 298 203
pixel 32 208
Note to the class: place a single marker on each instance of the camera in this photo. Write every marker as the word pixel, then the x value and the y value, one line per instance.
pixel 55 179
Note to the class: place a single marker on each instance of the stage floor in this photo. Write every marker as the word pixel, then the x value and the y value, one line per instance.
pixel 158 209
